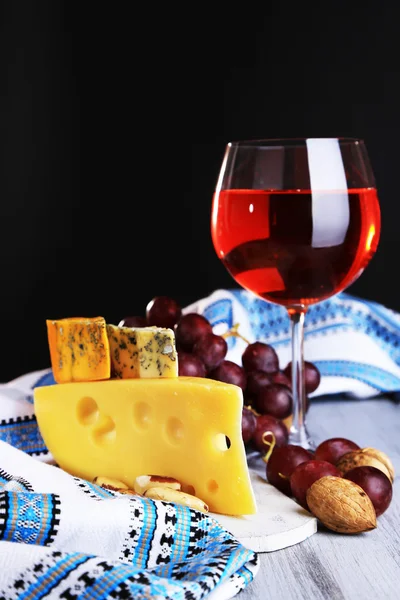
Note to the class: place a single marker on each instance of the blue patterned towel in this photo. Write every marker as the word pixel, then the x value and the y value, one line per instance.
pixel 63 537
pixel 355 343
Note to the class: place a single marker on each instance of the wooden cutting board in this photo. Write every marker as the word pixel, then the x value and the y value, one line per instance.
pixel 280 522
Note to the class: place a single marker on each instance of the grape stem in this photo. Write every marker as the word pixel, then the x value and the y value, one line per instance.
pixel 271 444
pixel 253 410
pixel 233 332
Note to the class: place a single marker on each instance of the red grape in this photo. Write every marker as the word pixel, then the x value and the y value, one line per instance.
pixel 304 476
pixel 281 377
pixel 135 321
pixel 282 463
pixel 256 381
pixel 375 484
pixel 312 376
pixel 268 424
pixel 333 448
pixel 249 422
pixel 212 349
pixel 229 372
pixel 190 328
pixel 275 400
pixel 163 311
pixel 259 355
pixel 190 365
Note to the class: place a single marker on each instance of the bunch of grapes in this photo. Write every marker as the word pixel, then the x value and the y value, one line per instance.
pixel 267 389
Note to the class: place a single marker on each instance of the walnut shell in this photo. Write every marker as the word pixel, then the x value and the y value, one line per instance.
pixel 358 458
pixel 341 505
pixel 383 457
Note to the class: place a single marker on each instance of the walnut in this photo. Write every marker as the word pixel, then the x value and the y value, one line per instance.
pixel 359 458
pixel 378 454
pixel 341 505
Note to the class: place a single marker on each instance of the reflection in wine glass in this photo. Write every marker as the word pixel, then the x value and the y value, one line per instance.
pixel 296 222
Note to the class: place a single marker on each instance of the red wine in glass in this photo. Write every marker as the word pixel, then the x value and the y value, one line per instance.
pixel 296 222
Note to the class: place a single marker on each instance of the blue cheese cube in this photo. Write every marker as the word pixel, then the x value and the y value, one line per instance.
pixel 142 352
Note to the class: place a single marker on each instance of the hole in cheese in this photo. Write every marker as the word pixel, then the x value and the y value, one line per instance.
pixel 142 415
pixel 212 486
pixel 175 430
pixel 87 411
pixel 105 432
pixel 222 442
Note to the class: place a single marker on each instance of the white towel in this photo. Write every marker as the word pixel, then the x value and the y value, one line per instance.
pixel 64 537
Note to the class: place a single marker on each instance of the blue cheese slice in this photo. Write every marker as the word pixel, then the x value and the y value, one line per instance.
pixel 142 352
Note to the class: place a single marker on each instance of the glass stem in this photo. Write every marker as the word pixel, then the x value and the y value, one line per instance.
pixel 298 434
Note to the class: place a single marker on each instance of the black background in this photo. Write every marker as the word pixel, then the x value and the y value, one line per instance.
pixel 113 127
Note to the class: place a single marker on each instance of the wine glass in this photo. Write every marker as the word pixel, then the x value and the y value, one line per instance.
pixel 295 221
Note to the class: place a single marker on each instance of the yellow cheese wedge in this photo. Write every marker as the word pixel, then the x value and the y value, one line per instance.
pixel 142 352
pixel 188 428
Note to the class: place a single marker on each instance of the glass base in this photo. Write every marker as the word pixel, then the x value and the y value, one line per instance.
pixel 301 437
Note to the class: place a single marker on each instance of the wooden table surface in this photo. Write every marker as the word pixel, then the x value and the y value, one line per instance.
pixel 336 566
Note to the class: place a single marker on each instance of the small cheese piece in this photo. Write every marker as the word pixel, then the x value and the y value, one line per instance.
pixel 79 349
pixel 142 352
pixel 187 428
